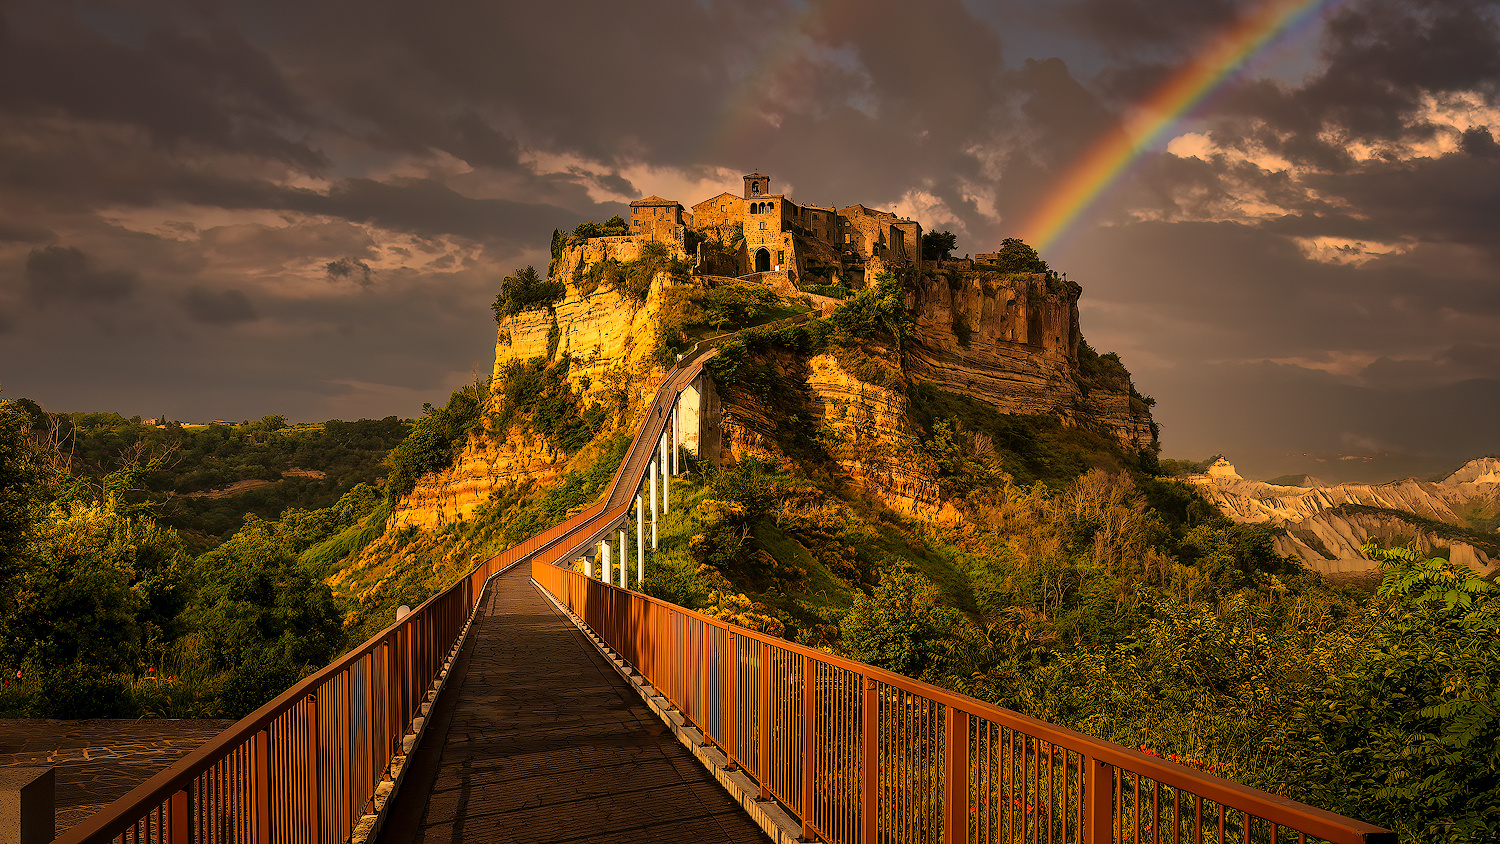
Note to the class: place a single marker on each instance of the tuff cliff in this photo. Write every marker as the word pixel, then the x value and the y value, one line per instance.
pixel 610 340
pixel 1326 524
pixel 1013 341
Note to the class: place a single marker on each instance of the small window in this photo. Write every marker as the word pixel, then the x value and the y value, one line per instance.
pixel 723 208
pixel 780 257
pixel 762 225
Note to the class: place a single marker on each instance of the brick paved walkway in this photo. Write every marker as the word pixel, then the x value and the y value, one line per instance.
pixel 99 760
pixel 537 739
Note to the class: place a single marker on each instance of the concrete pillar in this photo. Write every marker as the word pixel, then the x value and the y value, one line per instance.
pixel 28 800
pixel 651 471
pixel 640 541
pixel 588 567
pixel 676 441
pixel 604 557
pixel 624 565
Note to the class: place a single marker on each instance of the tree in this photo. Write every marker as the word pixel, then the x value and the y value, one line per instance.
pixel 20 492
pixel 1015 256
pixel 937 246
pixel 525 291
pixel 1409 737
pixel 900 626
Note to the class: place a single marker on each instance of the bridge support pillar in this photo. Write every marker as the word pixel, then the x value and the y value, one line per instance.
pixel 676 438
pixel 604 557
pixel 640 541
pixel 588 567
pixel 624 565
pixel 666 477
pixel 651 472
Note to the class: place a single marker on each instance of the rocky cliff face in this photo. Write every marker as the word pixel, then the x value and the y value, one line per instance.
pixel 1326 532
pixel 1012 342
pixel 609 339
pixel 864 428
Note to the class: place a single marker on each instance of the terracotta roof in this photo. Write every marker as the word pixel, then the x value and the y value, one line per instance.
pixel 653 199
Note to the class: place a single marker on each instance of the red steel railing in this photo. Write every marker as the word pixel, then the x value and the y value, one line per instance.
pixel 863 755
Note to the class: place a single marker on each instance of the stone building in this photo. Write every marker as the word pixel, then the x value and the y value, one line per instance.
pixel 660 219
pixel 784 237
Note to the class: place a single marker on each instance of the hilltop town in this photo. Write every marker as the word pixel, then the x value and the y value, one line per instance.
pixel 788 244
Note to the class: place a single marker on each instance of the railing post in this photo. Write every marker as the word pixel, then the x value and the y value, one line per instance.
pixel 869 726
pixel 955 776
pixel 180 818
pixel 314 787
pixel 809 705
pixel 263 786
pixel 763 727
pixel 731 684
pixel 1098 795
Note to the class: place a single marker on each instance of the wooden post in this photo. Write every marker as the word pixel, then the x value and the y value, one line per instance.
pixel 955 776
pixel 763 725
pixel 869 726
pixel 179 818
pixel 1098 796
pixel 809 714
pixel 314 790
pixel 263 786
pixel 731 663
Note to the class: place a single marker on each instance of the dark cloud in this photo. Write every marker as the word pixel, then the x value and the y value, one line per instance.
pixel 1478 142
pixel 186 81
pixel 350 269
pixel 1119 25
pixel 65 274
pixel 224 307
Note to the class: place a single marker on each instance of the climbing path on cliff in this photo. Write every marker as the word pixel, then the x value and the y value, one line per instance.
pixel 532 702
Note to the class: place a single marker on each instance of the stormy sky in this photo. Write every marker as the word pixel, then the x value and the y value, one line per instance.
pixel 222 210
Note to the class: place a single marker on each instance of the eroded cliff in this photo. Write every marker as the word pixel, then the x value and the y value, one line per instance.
pixel 1326 524
pixel 1013 342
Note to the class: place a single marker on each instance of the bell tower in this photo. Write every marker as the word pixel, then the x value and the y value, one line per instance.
pixel 757 185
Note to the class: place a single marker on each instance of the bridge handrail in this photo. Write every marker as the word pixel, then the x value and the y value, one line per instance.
pixel 939 754
pixel 266 772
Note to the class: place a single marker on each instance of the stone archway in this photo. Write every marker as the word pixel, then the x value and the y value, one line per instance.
pixel 762 260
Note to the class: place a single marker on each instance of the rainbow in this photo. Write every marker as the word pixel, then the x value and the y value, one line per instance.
pixel 1110 158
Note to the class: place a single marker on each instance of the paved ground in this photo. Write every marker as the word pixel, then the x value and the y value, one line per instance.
pixel 537 739
pixel 99 761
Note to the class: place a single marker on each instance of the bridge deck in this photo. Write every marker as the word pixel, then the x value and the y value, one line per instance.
pixel 535 738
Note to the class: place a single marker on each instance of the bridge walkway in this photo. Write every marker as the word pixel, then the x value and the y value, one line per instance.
pixel 537 739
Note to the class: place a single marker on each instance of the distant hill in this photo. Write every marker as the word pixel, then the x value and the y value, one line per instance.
pixel 1455 517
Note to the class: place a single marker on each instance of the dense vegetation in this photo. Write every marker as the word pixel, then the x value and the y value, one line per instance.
pixel 107 612
pixel 202 480
pixel 435 440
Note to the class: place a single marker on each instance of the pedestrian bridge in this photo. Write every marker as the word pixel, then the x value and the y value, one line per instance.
pixel 530 702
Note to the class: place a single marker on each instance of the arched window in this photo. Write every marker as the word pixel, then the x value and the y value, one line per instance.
pixel 755 188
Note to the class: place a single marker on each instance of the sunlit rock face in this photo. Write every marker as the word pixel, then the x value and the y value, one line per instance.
pixel 610 341
pixel 1325 532
pixel 1012 342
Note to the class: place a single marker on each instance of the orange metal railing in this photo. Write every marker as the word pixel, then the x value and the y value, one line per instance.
pixel 862 755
